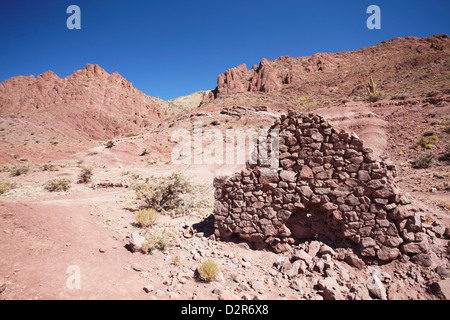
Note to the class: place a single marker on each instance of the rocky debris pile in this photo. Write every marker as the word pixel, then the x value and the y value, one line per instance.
pixel 340 275
pixel 327 183
pixel 312 271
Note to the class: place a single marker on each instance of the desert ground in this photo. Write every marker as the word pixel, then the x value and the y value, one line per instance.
pixel 77 243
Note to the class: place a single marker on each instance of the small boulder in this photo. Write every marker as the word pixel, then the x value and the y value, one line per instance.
pixel 136 241
pixel 331 289
pixel 376 288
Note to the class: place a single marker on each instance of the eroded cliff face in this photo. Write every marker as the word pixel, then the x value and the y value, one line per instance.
pixel 327 184
pixel 91 102
pixel 261 78
pixel 342 75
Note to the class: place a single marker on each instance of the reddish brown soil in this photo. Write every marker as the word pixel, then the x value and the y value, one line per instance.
pixel 43 233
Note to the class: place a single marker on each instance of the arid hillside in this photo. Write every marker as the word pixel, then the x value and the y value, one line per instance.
pixel 81 157
pixel 88 105
pixel 401 68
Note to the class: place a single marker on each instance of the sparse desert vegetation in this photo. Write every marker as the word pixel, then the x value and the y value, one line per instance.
pixel 146 217
pixel 6 186
pixel 58 184
pixel 86 175
pixel 208 270
pixel 140 227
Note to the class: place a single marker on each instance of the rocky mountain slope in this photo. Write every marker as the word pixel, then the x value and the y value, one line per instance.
pixel 89 104
pixel 400 67
pixel 92 224
pixel 181 104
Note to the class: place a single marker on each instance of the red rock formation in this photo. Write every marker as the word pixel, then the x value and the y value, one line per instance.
pixel 92 102
pixel 344 74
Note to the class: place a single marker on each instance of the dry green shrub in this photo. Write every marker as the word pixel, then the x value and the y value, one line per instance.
pixel 176 261
pixel 444 204
pixel 146 217
pixel 163 193
pixel 424 160
pixel 399 96
pixel 19 170
pixel 109 144
pixel 155 242
pixel 208 270
pixel 427 140
pixel 86 175
pixel 174 195
pixel 6 186
pixel 445 156
pixel 49 167
pixel 58 184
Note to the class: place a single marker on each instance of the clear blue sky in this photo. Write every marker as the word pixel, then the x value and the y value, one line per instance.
pixel 173 48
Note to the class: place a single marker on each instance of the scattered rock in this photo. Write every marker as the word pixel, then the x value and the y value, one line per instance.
pixel 359 292
pixel 325 249
pixel 442 287
pixel 331 289
pixel 376 288
pixel 3 287
pixel 302 255
pixel 188 232
pixel 136 241
pixel 295 284
pixel 137 267
pixel 226 295
pixel 314 248
pixel 148 288
pixel 353 260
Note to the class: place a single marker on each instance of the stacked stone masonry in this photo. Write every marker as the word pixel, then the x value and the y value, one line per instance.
pixel 327 184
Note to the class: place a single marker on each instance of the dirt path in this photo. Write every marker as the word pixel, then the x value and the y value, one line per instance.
pixel 40 241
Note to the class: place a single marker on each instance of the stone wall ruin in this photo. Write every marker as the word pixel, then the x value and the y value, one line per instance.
pixel 327 184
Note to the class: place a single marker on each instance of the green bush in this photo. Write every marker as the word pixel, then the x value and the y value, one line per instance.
pixel 19 170
pixel 423 161
pixel 6 186
pixel 58 184
pixel 430 94
pixel 163 193
pixel 208 270
pixel 427 140
pixel 86 175
pixel 155 242
pixel 446 155
pixel 146 217
pixel 447 129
